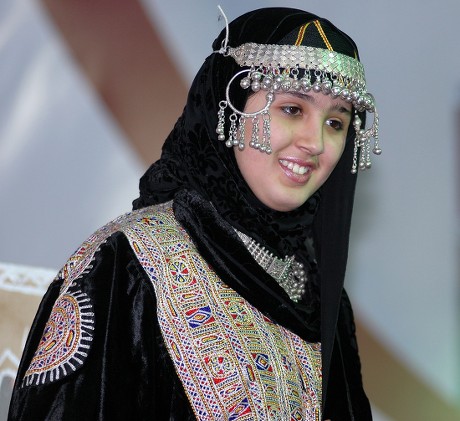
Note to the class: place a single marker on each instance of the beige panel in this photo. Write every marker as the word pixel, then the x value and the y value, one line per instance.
pixel 21 289
pixel 17 310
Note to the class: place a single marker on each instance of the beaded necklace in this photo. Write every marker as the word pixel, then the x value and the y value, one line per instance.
pixel 289 273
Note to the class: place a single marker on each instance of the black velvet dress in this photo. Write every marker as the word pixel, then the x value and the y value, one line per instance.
pixel 128 373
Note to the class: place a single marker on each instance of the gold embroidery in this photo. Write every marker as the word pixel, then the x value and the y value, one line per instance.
pixel 323 35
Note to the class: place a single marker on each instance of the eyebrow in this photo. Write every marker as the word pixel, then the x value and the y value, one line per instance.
pixel 336 106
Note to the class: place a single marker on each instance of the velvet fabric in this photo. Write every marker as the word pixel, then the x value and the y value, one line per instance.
pixel 128 374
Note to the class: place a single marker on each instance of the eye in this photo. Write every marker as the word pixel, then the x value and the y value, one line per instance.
pixel 292 110
pixel 335 124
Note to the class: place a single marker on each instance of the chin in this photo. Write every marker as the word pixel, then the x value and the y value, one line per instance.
pixel 286 201
pixel 286 206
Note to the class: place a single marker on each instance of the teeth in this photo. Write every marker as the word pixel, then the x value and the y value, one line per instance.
pixel 295 168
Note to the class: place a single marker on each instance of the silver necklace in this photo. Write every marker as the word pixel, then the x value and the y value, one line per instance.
pixel 289 273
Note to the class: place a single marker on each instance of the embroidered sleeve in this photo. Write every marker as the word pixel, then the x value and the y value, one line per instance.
pixel 68 334
pixel 66 339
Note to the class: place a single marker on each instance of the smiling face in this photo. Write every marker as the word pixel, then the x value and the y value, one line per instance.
pixel 308 133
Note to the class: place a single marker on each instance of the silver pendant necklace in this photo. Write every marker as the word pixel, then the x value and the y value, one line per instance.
pixel 289 273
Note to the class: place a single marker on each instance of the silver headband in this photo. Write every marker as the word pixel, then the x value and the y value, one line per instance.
pixel 275 68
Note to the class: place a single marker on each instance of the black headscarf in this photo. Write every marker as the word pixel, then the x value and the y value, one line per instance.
pixel 210 195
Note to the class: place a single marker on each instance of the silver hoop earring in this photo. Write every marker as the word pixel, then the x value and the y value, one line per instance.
pixel 237 134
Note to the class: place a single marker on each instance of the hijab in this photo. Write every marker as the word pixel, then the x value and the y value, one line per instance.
pixel 211 197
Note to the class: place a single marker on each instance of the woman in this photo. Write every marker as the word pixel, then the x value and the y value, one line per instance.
pixel 187 307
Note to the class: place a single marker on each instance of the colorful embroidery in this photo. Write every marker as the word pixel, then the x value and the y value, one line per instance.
pixel 234 362
pixel 65 341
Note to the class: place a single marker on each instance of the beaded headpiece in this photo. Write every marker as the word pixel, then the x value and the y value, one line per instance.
pixel 302 68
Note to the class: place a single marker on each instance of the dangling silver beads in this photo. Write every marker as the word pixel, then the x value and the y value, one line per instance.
pixel 316 86
pixel 336 90
pixel 241 132
pixel 245 83
pixel 345 94
pixel 255 84
pixel 254 143
pixel 286 84
pixel 296 85
pixel 220 129
pixel 277 83
pixel 326 86
pixel 266 145
pixel 306 83
pixel 232 133
pixel 267 82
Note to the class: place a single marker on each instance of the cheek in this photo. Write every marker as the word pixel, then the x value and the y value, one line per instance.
pixel 247 162
pixel 281 135
pixel 339 150
pixel 334 153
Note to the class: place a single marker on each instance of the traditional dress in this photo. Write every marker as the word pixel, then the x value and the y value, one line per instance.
pixel 164 314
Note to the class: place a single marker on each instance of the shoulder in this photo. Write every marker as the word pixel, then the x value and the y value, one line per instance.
pixel 103 270
pixel 126 225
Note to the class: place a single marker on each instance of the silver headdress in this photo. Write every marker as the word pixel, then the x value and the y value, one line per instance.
pixel 275 68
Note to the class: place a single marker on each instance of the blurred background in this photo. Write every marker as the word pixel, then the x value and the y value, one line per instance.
pixel 90 89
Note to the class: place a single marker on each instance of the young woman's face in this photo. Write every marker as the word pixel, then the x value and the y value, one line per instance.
pixel 308 132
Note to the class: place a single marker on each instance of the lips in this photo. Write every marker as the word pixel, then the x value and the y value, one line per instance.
pixel 297 170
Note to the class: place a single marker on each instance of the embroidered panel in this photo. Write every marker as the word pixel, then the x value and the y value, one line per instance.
pixel 234 362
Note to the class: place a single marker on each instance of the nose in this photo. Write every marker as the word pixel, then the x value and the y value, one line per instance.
pixel 310 137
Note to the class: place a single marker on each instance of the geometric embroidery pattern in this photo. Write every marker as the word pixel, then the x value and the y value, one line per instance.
pixel 233 361
pixel 65 341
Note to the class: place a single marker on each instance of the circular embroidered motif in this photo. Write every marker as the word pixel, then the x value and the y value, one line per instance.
pixel 239 313
pixel 179 271
pixel 220 366
pixel 66 339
